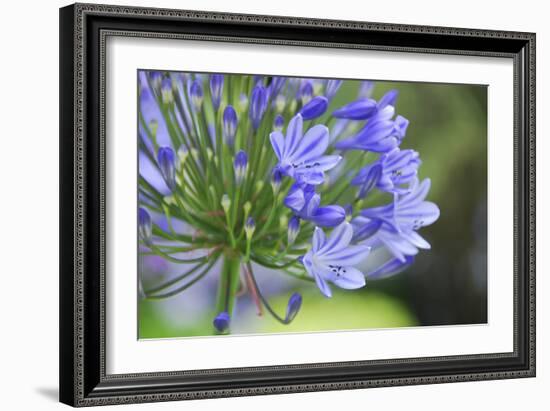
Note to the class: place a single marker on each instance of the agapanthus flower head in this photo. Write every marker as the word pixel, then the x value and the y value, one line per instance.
pixel 240 165
pixel 166 159
pixel 314 108
pixel 333 259
pixel 258 102
pixel 302 157
pixel 197 94
pixel 216 88
pixel 145 226
pixel 206 163
pixel 230 122
pixel 221 321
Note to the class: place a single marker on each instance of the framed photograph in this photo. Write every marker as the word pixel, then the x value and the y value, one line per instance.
pixel 260 205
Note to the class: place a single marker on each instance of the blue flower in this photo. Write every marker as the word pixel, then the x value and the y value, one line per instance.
pixel 395 225
pixel 302 157
pixel 381 133
pixel 240 165
pixel 389 173
pixel 293 306
pixel 314 108
pixel 216 89
pixel 221 322
pixel 333 259
pixel 145 226
pixel 361 109
pixel 258 103
pixel 230 122
pixel 166 159
pixel 305 203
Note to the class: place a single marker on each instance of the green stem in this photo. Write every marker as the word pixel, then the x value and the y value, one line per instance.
pixel 228 284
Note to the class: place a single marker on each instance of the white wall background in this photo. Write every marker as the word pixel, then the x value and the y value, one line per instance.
pixel 29 204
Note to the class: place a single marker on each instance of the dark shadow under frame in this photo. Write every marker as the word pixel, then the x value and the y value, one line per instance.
pixel 83 32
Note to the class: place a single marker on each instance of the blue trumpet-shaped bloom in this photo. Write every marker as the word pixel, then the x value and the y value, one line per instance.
pixel 333 259
pixel 314 108
pixel 382 133
pixel 305 203
pixel 361 109
pixel 389 173
pixel 395 225
pixel 166 159
pixel 216 89
pixel 302 156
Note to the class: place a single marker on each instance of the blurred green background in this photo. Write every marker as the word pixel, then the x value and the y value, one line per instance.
pixel 447 285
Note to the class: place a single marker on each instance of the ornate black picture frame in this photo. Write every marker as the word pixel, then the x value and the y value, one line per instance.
pixel 83 31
